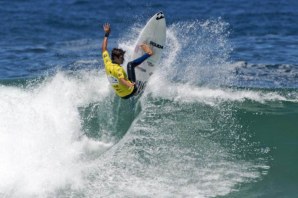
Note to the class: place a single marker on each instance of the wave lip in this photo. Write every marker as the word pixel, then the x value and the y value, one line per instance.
pixel 192 93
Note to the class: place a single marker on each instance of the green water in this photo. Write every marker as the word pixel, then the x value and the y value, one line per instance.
pixel 275 126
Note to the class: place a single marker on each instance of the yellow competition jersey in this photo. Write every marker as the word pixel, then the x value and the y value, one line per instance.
pixel 114 73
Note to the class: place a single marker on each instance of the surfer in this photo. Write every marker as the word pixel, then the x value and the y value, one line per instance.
pixel 123 84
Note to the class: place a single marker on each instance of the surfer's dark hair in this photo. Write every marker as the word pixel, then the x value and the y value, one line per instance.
pixel 116 52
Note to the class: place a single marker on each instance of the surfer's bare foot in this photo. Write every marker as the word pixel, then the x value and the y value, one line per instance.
pixel 146 49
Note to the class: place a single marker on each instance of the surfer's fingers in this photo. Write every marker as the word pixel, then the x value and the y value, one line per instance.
pixel 107 27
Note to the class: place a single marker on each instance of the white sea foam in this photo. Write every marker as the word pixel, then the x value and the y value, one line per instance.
pixel 39 146
pixel 212 96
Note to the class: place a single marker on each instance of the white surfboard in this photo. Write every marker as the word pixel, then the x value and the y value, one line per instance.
pixel 154 34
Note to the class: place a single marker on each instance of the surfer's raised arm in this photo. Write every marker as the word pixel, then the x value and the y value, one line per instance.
pixel 107 30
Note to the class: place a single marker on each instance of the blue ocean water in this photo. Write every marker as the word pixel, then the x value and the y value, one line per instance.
pixel 217 119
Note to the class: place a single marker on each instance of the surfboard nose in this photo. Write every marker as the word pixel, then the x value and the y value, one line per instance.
pixel 160 15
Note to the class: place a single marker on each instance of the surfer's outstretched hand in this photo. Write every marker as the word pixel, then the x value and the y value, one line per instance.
pixel 146 49
pixel 107 28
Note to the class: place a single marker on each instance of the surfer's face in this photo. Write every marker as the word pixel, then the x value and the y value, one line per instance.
pixel 119 59
pixel 118 55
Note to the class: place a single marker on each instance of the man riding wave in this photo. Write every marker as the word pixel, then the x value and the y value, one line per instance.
pixel 123 84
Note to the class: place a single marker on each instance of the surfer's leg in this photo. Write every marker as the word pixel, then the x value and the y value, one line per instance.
pixel 131 72
pixel 131 66
pixel 141 59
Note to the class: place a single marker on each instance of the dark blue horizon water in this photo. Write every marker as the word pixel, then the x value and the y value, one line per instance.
pixel 218 118
pixel 41 36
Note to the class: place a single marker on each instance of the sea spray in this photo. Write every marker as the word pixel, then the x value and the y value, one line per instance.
pixel 40 150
